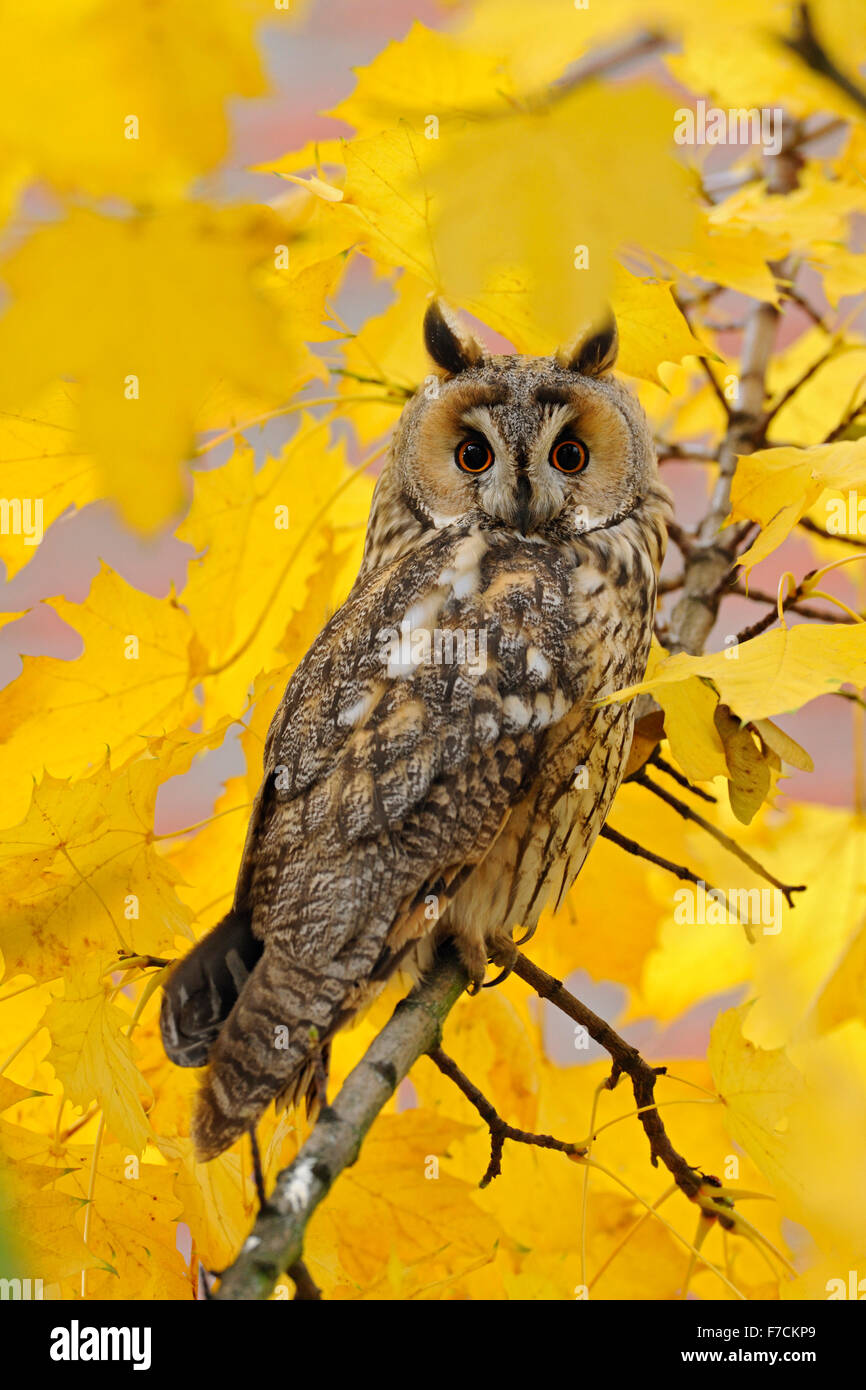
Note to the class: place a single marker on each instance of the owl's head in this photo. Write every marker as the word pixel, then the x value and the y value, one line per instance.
pixel 549 447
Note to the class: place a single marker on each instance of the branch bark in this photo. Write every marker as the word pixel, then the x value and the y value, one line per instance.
pixel 626 1059
pixel 712 555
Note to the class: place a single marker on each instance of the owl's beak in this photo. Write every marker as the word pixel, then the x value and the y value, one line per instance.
pixel 523 514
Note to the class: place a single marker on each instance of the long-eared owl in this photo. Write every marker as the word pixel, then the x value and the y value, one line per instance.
pixel 442 742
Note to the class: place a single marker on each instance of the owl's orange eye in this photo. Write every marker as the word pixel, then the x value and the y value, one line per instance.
pixel 569 455
pixel 473 455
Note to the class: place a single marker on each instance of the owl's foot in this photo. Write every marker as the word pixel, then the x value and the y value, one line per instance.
pixel 502 951
pixel 473 958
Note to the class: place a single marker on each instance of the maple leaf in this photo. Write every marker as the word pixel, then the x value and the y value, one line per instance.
pixel 258 540
pixel 141 330
pixel 778 486
pixel 171 64
pixel 92 1056
pixel 771 673
pixel 134 680
pixel 82 875
pixel 39 440
pixel 132 1228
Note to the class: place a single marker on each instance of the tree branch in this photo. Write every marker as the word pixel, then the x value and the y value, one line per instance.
pixel 712 556
pixel 499 1129
pixel 626 1060
pixel 687 813
pixel 806 44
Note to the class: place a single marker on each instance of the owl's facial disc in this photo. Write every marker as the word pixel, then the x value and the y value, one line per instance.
pixel 528 451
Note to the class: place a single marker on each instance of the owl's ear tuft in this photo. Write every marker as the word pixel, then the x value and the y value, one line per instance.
pixel 593 355
pixel 450 349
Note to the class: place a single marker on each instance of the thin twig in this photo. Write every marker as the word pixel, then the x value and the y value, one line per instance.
pixel 656 758
pixel 731 845
pixel 626 1059
pixel 809 525
pixel 806 44
pixel 499 1129
pixel 796 386
pixel 679 871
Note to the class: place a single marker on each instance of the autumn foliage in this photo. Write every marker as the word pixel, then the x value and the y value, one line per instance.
pixel 150 338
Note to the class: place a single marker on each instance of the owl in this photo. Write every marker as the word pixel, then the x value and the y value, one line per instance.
pixel 440 764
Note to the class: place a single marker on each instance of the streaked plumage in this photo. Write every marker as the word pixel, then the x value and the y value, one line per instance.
pixel 395 780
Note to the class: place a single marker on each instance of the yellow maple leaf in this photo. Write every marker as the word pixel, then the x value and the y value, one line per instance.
pixel 425 72
pixel 156 78
pixel 92 1055
pixel 259 538
pixel 774 672
pixel 400 1200
pixel 134 680
pixel 134 319
pixel 82 875
pixel 38 442
pixel 758 1087
pixel 778 486
pixel 132 1228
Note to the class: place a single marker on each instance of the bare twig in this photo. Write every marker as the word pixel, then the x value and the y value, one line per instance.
pixel 499 1129
pixel 692 452
pixel 656 758
pixel 806 44
pixel 743 855
pixel 808 525
pixel 627 1060
pixel 679 871
pixel 848 419
pixel 792 390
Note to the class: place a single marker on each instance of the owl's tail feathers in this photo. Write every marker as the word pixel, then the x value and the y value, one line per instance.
pixel 203 988
pixel 274 1046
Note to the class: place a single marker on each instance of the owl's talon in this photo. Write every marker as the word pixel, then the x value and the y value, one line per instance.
pixel 503 952
pixel 503 975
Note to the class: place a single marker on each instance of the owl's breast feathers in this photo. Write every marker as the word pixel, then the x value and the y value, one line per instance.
pixel 425 750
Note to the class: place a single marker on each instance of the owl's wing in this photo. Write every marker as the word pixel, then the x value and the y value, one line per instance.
pixel 389 773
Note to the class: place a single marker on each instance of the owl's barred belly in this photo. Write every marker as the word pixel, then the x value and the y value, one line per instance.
pixel 546 838
pixel 547 835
